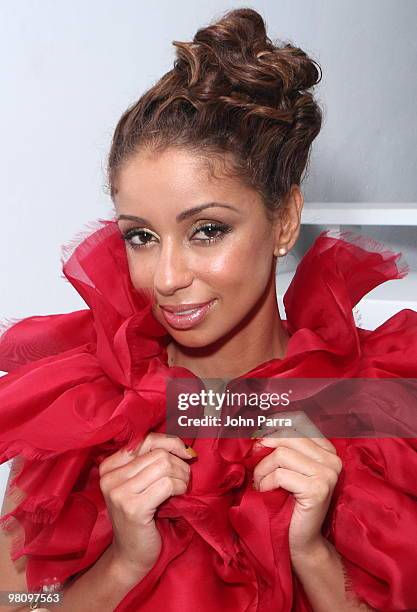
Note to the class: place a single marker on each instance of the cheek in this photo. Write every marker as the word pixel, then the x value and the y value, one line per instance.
pixel 242 267
pixel 141 274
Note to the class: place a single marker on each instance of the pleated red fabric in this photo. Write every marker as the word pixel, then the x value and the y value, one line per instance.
pixel 80 385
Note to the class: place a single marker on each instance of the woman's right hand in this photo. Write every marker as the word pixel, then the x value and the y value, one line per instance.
pixel 133 486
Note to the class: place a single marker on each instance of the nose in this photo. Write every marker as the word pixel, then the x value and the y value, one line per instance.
pixel 172 270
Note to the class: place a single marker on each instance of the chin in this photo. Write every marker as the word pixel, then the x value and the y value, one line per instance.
pixel 192 338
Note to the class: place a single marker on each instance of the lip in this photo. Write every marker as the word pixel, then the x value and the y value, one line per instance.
pixel 186 321
pixel 181 307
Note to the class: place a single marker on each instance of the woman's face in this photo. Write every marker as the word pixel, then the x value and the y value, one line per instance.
pixel 222 254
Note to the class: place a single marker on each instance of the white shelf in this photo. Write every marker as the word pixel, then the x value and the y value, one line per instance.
pixel 359 213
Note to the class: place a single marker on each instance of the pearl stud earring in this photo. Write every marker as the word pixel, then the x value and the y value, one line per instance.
pixel 282 251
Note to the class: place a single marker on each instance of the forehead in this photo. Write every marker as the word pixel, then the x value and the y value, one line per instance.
pixel 177 177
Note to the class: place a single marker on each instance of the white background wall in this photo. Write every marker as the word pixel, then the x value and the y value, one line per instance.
pixel 69 70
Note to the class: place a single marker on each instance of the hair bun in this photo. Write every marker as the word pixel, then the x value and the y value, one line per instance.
pixel 234 56
pixel 231 90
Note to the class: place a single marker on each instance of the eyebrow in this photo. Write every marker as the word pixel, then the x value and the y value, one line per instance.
pixel 185 214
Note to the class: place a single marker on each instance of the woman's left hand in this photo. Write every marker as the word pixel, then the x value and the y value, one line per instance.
pixel 309 468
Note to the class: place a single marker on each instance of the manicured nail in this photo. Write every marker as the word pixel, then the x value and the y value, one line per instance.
pixel 190 451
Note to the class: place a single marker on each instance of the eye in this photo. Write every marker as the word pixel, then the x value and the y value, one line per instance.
pixel 144 237
pixel 220 230
pixel 134 233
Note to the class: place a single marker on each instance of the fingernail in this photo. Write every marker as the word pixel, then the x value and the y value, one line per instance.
pixel 190 451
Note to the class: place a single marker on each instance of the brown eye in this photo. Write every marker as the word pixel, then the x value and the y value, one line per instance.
pixel 219 229
pixel 144 237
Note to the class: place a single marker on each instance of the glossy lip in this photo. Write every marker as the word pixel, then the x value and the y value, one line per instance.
pixel 182 307
pixel 186 321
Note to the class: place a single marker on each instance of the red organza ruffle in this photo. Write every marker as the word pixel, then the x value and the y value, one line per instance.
pixel 80 385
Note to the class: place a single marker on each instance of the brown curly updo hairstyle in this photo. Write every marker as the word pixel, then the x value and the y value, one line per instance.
pixel 233 91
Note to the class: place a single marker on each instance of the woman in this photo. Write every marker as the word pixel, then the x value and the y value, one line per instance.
pixel 115 510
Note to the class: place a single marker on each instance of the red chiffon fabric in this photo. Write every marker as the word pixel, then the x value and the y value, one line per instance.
pixel 80 385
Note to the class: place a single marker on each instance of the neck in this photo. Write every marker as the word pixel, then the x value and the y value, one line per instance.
pixel 260 338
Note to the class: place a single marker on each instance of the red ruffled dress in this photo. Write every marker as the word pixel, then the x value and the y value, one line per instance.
pixel 82 384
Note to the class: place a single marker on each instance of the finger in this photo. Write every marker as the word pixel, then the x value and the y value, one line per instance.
pixel 163 458
pixel 155 472
pixel 117 459
pixel 302 424
pixel 141 504
pixel 173 444
pixel 295 483
pixel 285 479
pixel 292 459
pixel 307 446
pixel 152 440
pixel 160 490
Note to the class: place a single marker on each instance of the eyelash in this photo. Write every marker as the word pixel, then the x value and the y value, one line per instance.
pixel 220 227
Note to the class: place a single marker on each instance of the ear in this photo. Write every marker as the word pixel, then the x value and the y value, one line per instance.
pixel 287 225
